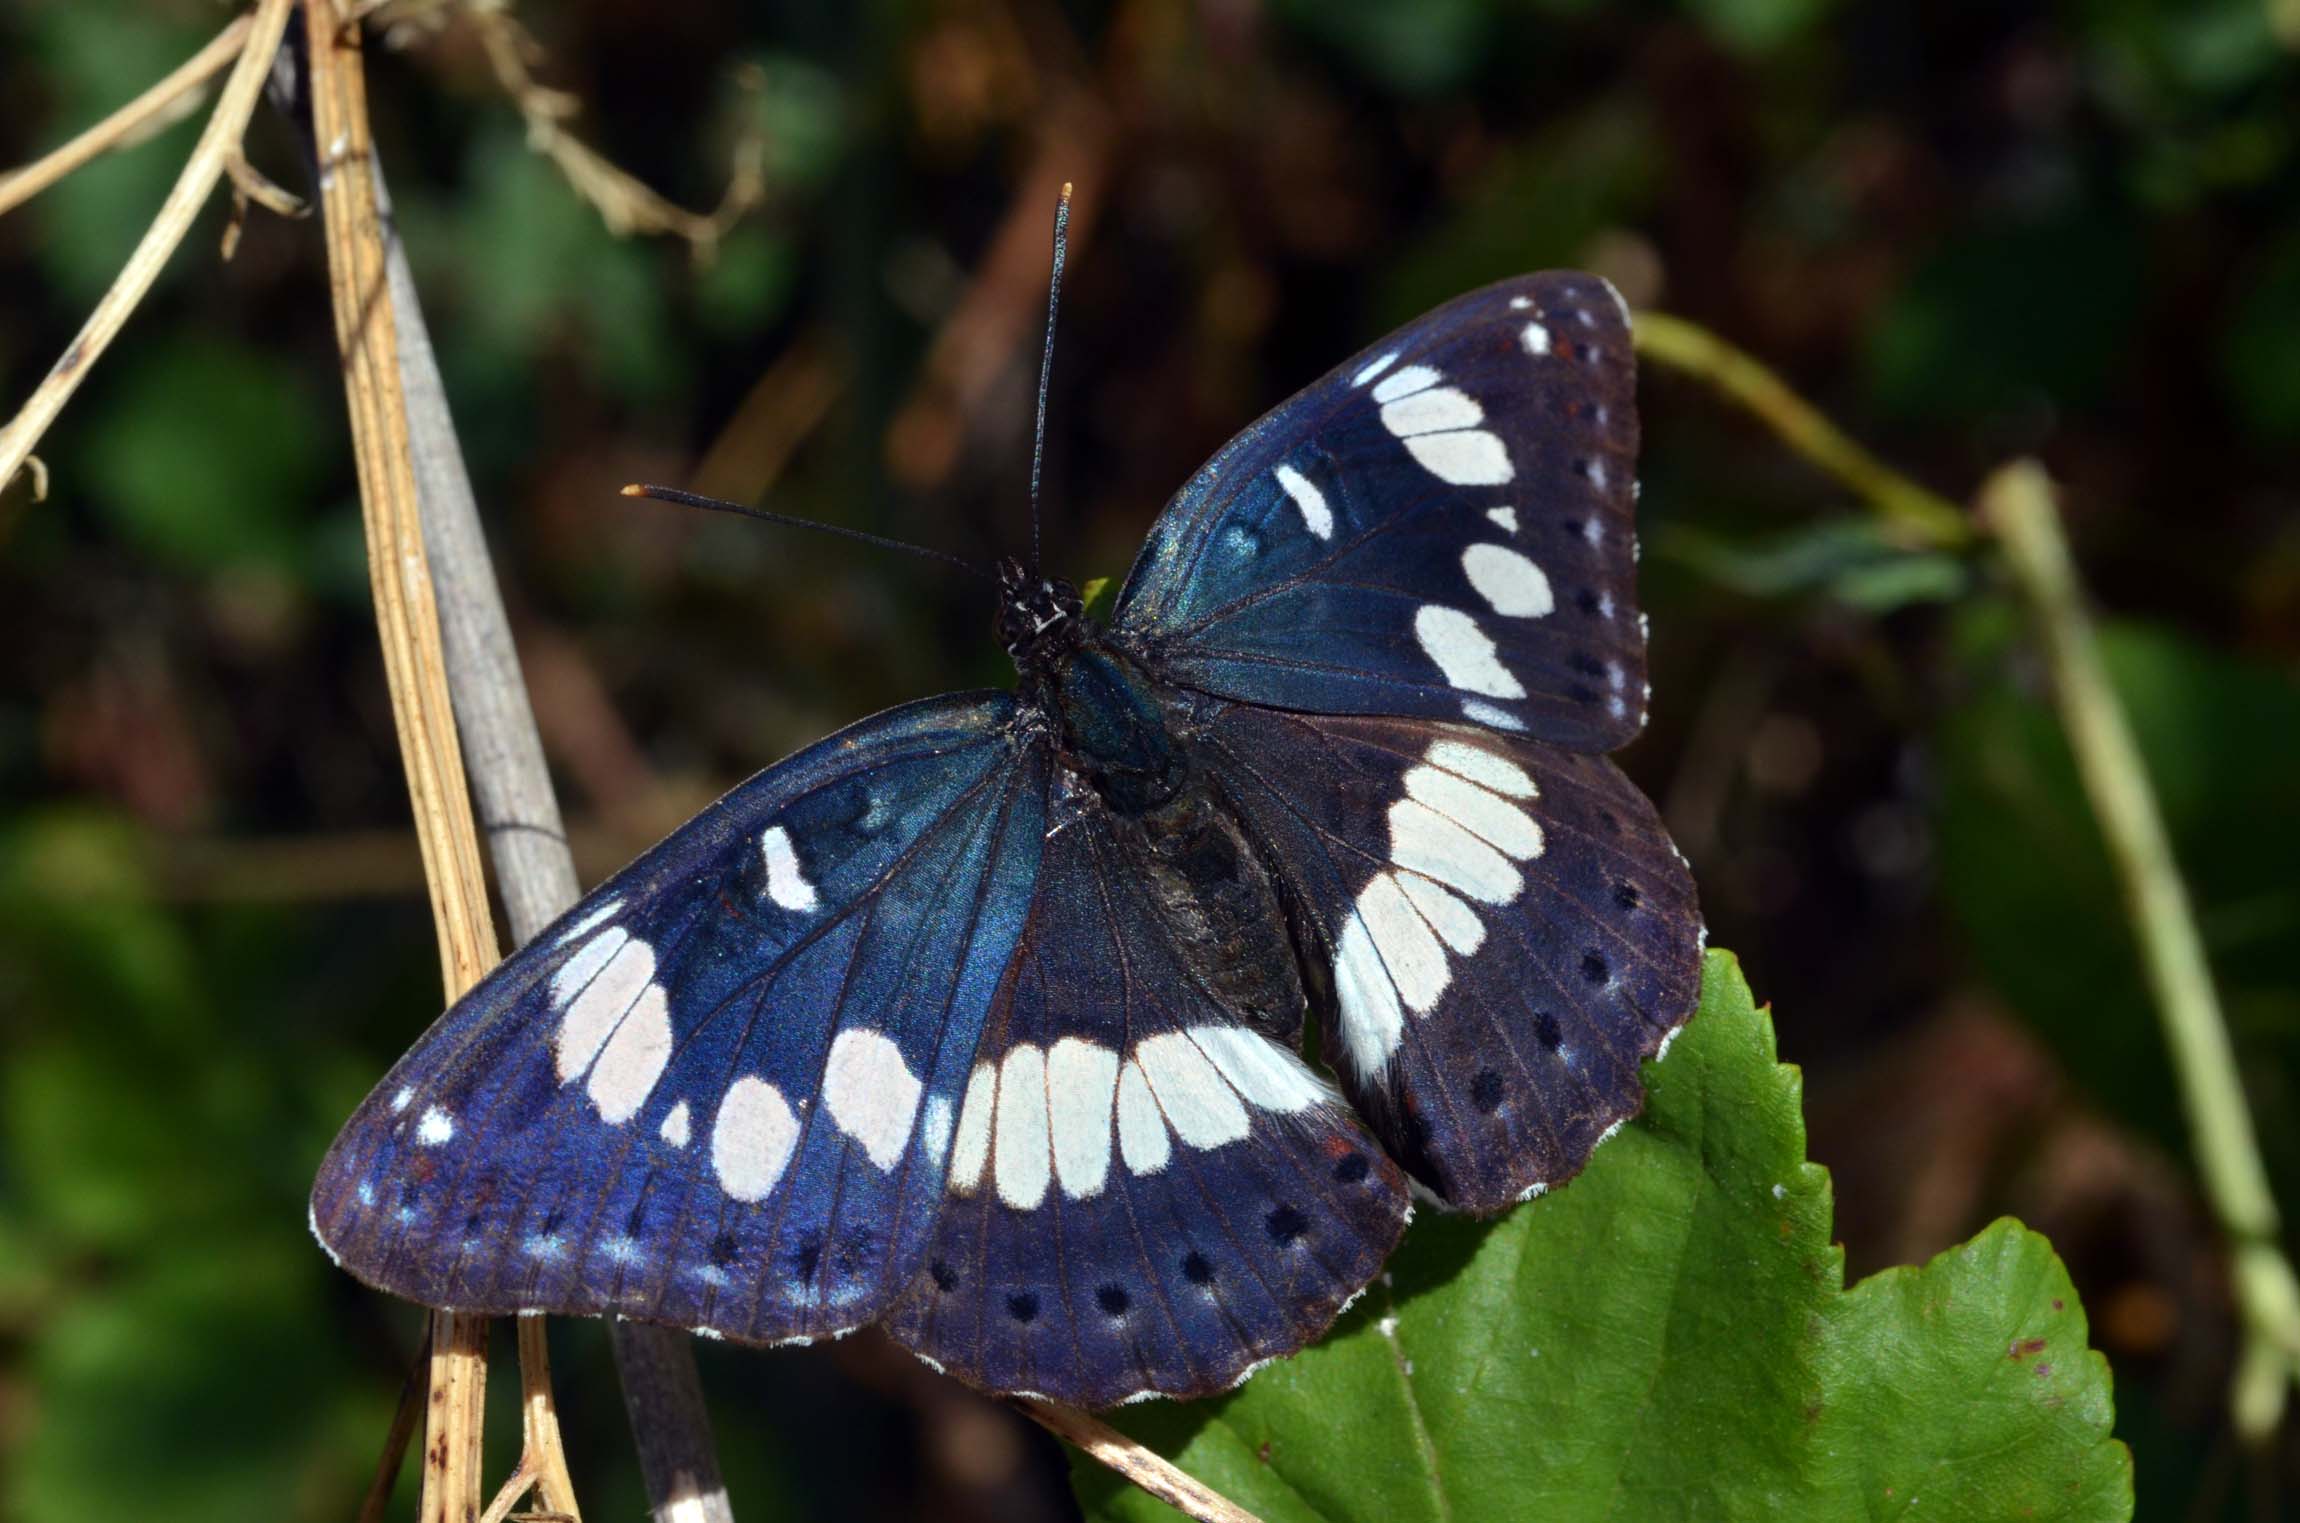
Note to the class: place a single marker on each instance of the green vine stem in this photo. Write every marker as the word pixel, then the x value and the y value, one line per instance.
pixel 2017 504
pixel 1924 519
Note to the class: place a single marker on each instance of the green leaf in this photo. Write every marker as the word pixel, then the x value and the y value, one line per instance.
pixel 1668 1337
pixel 160 477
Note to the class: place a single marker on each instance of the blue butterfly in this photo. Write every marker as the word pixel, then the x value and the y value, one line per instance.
pixel 982 1020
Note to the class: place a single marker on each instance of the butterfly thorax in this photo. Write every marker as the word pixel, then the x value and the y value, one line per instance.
pixel 1127 745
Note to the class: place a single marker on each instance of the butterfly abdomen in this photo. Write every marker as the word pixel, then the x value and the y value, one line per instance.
pixel 1218 901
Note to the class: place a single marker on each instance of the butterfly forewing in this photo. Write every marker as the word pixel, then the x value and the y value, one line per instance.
pixel 1147 1194
pixel 982 1019
pixel 1504 928
pixel 720 1090
pixel 1441 526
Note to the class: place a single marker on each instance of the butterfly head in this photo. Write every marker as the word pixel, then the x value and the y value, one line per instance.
pixel 1038 616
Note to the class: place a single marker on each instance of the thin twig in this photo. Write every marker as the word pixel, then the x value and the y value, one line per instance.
pixel 408 623
pixel 624 202
pixel 1163 1479
pixel 217 141
pixel 1924 518
pixel 395 1441
pixel 160 106
pixel 528 842
pixel 2017 502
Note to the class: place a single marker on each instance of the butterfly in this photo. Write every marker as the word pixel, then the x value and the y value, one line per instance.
pixel 983 1019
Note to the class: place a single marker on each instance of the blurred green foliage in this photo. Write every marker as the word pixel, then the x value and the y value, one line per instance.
pixel 1964 231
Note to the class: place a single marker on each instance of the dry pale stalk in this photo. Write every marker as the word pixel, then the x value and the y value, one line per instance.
pixel 158 107
pixel 217 142
pixel 1163 1479
pixel 407 622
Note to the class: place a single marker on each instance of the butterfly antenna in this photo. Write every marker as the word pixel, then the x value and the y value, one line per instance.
pixel 1046 360
pixel 721 505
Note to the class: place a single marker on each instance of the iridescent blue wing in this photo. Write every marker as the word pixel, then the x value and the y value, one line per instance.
pixel 720 1091
pixel 1442 527
pixel 1503 926
pixel 1147 1194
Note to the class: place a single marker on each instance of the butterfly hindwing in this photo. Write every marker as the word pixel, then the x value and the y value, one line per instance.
pixel 982 1019
pixel 1504 926
pixel 1147 1193
pixel 719 1091
pixel 1442 526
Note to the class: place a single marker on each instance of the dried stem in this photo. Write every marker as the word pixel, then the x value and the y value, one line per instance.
pixel 217 142
pixel 1924 518
pixel 2017 503
pixel 395 1441
pixel 158 107
pixel 408 623
pixel 535 871
pixel 1160 1477
pixel 627 204
pixel 542 1459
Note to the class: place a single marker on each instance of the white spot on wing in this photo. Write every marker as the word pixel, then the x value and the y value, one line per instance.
pixel 436 1129
pixel 1482 766
pixel 1506 517
pixel 633 1058
pixel 935 1132
pixel 787 885
pixel 1425 841
pixel 1520 303
pixel 1468 458
pixel 1259 1069
pixel 1405 383
pixel 1081 1095
pixel 1374 367
pixel 972 1148
pixel 675 1128
pixel 1488 714
pixel 752 1138
pixel 1416 962
pixel 1474 808
pixel 1019 1154
pixel 592 1015
pixel 871 1094
pixel 1372 1018
pixel 1463 652
pixel 1432 411
pixel 1142 1139
pixel 1535 337
pixel 1315 514
pixel 584 966
pixel 592 921
pixel 1511 584
pixel 401 1100
pixel 1456 923
pixel 1197 1101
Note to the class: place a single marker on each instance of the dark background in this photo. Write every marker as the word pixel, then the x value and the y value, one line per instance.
pixel 1966 231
